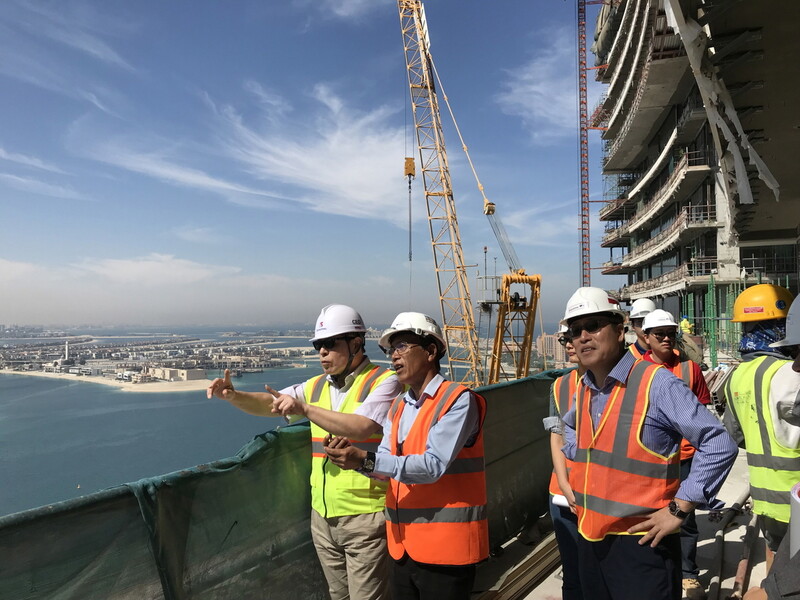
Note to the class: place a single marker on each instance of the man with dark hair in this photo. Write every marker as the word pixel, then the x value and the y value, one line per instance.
pixel 432 451
pixel 623 434
pixel 351 397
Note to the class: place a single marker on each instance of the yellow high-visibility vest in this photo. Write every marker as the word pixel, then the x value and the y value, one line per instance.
pixel 336 492
pixel 774 468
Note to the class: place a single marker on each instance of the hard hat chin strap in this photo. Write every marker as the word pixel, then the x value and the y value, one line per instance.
pixel 341 377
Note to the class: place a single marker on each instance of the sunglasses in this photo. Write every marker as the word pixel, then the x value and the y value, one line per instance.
pixel 589 326
pixel 664 333
pixel 400 347
pixel 328 343
pixel 563 340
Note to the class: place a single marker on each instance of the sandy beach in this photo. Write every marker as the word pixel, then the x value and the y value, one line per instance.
pixel 153 386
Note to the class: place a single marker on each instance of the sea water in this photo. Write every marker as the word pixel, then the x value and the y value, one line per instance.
pixel 64 438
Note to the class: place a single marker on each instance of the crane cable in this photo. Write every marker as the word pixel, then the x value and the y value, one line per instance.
pixel 458 131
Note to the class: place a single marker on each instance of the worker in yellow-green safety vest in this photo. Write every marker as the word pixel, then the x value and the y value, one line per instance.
pixel 763 413
pixel 350 398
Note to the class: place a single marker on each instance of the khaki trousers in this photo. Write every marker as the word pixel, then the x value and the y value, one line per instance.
pixel 352 552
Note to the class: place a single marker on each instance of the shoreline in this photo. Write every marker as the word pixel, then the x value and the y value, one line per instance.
pixel 126 386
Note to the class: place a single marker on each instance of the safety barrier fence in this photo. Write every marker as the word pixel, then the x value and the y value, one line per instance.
pixel 239 527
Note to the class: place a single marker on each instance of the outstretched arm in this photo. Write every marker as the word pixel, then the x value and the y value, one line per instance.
pixel 254 403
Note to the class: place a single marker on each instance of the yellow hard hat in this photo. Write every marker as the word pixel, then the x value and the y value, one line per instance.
pixel 762 302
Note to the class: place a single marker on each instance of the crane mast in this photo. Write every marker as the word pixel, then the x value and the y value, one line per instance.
pixel 458 319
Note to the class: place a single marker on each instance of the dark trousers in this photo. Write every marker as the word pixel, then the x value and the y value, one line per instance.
pixel 618 568
pixel 410 580
pixel 565 526
pixel 689 535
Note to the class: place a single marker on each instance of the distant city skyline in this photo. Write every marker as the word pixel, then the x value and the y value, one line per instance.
pixel 175 164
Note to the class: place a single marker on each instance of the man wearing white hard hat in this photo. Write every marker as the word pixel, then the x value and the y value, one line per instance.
pixel 432 449
pixel 351 398
pixel 639 310
pixel 661 333
pixel 623 434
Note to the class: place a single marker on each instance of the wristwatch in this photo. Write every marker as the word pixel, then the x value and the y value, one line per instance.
pixel 675 511
pixel 368 464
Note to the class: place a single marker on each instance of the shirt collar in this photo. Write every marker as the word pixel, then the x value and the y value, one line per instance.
pixel 350 377
pixel 619 373
pixel 428 392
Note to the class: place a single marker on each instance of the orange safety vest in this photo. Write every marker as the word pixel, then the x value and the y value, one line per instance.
pixel 617 481
pixel 444 522
pixel 563 394
pixel 634 349
pixel 684 370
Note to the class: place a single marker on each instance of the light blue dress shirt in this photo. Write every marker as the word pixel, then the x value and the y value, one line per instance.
pixel 446 438
pixel 674 413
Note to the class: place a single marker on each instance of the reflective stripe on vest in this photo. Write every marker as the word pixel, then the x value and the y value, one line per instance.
pixel 336 492
pixel 774 469
pixel 617 481
pixel 563 394
pixel 443 522
pixel 634 349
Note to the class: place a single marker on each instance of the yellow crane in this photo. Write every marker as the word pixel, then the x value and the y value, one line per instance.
pixel 511 349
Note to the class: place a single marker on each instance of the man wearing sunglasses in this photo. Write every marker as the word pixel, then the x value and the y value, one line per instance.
pixel 623 434
pixel 661 334
pixel 351 398
pixel 432 450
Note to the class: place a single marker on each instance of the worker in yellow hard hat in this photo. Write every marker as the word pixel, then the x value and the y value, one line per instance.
pixel 761 397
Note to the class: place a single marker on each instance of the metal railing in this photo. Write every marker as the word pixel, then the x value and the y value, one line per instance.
pixel 695 268
pixel 664 193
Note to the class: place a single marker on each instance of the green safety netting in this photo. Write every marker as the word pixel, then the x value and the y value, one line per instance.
pixel 239 527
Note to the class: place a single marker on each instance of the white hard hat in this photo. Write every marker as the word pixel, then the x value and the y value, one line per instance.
pixel 590 301
pixel 792 327
pixel 418 324
pixel 641 307
pixel 337 319
pixel 563 329
pixel 658 318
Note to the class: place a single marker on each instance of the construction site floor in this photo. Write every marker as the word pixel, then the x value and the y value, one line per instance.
pixel 494 579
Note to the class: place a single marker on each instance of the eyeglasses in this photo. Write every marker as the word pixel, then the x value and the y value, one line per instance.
pixel 563 340
pixel 327 343
pixel 588 325
pixel 400 347
pixel 660 335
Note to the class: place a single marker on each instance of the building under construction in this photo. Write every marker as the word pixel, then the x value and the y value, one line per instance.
pixel 700 138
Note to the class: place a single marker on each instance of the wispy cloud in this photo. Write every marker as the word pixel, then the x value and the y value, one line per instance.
pixel 543 91
pixel 153 270
pixel 157 163
pixel 33 38
pixel 341 161
pixel 35 186
pixel 343 9
pixel 28 161
pixel 77 26
pixel 190 233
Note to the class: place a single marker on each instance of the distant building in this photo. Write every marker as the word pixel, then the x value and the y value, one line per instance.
pixel 547 345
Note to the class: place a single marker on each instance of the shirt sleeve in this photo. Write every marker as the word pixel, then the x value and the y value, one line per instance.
pixel 552 422
pixel 377 404
pixel 568 432
pixel 678 410
pixel 445 440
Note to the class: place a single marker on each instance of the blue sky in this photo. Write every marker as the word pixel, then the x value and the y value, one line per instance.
pixel 241 162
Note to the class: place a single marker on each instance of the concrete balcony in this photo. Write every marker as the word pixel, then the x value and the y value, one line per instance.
pixel 690 171
pixel 691 221
pixel 616 237
pixel 695 273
